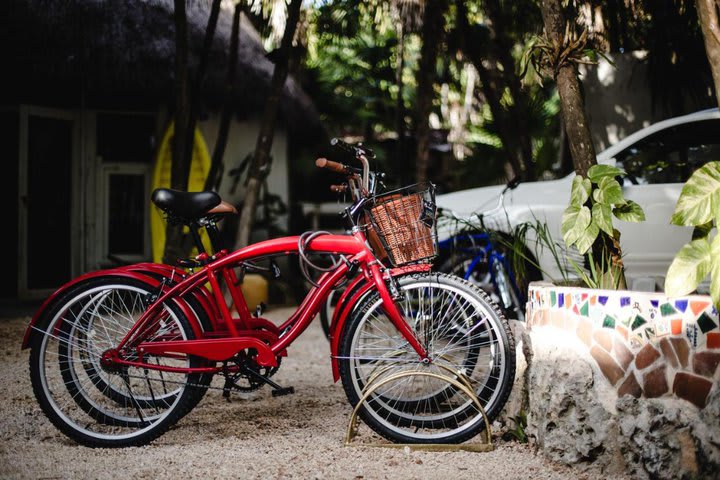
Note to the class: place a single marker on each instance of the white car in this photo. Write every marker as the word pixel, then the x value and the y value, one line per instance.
pixel 658 159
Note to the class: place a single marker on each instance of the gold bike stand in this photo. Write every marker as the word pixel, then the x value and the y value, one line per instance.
pixel 464 386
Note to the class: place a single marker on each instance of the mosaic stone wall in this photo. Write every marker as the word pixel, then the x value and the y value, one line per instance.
pixel 645 344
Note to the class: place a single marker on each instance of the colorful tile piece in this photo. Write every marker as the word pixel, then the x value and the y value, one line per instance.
pixel 584 309
pixel 624 301
pixel 681 304
pixel 561 299
pixel 667 309
pixel 706 323
pixel 622 331
pixel 603 299
pixel 676 325
pixel 593 299
pixel 713 340
pixel 608 322
pixel 655 303
pixel 553 300
pixel 638 322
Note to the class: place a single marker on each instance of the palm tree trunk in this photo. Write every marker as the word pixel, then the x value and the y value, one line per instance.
pixel 491 84
pixel 580 141
pixel 517 114
pixel 212 182
pixel 432 31
pixel 181 154
pixel 260 166
pixel 708 16
pixel 187 101
pixel 571 101
pixel 400 104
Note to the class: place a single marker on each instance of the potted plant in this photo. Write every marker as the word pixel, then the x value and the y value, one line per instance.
pixel 699 207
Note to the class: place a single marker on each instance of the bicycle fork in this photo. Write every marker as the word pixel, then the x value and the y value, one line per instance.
pixel 393 312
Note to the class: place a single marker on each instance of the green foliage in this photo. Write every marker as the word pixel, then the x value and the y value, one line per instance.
pixel 698 206
pixel 518 432
pixel 593 202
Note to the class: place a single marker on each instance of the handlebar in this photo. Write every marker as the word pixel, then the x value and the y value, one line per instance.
pixel 358 150
pixel 361 154
pixel 332 166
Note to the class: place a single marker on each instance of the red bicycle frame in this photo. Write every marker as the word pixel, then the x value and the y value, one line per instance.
pixel 229 335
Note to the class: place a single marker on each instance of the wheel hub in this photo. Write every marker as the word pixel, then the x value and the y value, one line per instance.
pixel 108 361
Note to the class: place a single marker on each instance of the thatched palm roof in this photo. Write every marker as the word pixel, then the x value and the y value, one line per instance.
pixel 120 54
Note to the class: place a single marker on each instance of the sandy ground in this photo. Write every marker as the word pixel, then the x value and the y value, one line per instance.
pixel 296 436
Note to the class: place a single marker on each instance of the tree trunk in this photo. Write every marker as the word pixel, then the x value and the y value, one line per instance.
pixel 400 104
pixel 708 16
pixel 216 166
pixel 517 113
pixel 491 84
pixel 606 252
pixel 187 102
pixel 571 101
pixel 432 31
pixel 181 154
pixel 196 92
pixel 260 166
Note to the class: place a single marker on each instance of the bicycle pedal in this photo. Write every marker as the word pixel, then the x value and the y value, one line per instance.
pixel 279 392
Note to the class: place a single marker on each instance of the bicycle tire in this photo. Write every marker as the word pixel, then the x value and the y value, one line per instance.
pixel 477 341
pixel 512 305
pixel 74 402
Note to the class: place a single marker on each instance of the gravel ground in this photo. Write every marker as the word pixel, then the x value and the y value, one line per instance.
pixel 256 436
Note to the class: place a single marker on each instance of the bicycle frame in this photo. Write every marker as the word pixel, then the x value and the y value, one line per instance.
pixel 234 335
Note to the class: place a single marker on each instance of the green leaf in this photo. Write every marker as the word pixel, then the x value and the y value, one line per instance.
pixel 609 192
pixel 588 236
pixel 598 172
pixel 630 212
pixel 690 267
pixel 580 192
pixel 715 270
pixel 700 197
pixel 574 222
pixel 602 216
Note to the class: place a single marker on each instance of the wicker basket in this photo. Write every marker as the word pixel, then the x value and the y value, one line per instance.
pixel 404 222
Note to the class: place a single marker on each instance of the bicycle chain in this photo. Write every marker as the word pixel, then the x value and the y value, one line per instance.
pixel 236 389
pixel 187 384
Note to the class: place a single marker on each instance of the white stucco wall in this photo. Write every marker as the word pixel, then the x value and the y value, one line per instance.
pixel 241 142
pixel 617 97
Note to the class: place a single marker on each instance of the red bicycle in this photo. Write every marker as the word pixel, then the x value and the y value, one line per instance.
pixel 120 355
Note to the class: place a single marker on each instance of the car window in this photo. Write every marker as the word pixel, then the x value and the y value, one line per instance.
pixel 671 155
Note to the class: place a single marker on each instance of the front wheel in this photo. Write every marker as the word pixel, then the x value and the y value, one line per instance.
pixel 466 338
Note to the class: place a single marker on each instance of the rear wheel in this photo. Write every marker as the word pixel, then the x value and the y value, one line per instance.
pixel 466 338
pixel 101 404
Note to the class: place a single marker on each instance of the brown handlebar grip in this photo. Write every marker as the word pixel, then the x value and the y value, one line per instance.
pixel 338 188
pixel 330 165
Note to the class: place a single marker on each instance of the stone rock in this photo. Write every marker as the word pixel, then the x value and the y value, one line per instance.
pixel 516 402
pixel 659 438
pixel 569 425
pixel 576 417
